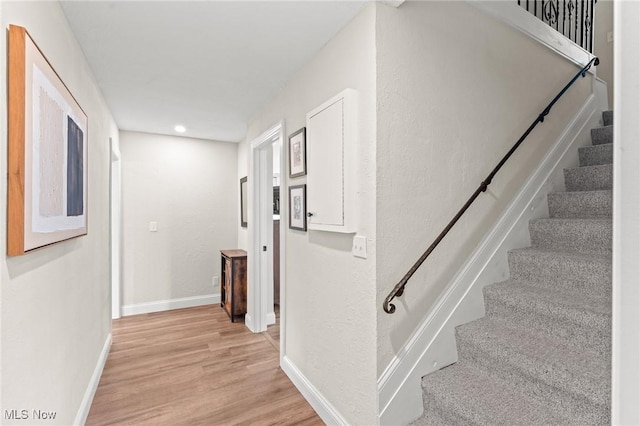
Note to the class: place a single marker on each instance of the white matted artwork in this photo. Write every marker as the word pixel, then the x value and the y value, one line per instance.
pixel 298 207
pixel 47 185
pixel 298 153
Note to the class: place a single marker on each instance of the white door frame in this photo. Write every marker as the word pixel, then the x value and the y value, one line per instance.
pixel 115 228
pixel 260 263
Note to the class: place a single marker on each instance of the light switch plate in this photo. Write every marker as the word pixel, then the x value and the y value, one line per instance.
pixel 359 248
pixel 153 226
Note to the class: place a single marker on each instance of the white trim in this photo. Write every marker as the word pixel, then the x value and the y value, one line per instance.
pixel 284 225
pixel 248 321
pixel 257 294
pixel 115 225
pixel 327 412
pixel 515 16
pixel 625 354
pixel 167 305
pixel 600 90
pixel 266 137
pixel 271 318
pixel 87 399
pixel 432 346
pixel 393 3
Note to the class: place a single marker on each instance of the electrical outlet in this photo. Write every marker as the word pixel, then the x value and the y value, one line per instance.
pixel 359 248
pixel 153 226
pixel 216 282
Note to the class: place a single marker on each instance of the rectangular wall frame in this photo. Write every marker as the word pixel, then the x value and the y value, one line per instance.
pixel 47 152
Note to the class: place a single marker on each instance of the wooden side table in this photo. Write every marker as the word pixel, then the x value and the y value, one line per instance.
pixel 233 297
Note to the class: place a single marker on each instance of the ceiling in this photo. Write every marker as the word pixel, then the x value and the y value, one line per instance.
pixel 206 65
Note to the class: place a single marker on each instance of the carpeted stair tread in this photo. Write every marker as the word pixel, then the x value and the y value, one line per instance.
pixel 581 204
pixel 587 273
pixel 433 419
pixel 541 365
pixel 572 234
pixel 589 178
pixel 576 306
pixel 542 353
pixel 595 155
pixel 601 135
pixel 463 395
pixel 578 318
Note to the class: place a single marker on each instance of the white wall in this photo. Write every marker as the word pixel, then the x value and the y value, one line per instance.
pixel 55 304
pixel 603 48
pixel 330 299
pixel 626 226
pixel 189 187
pixel 455 90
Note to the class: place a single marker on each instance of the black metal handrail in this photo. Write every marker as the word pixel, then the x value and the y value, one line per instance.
pixel 398 290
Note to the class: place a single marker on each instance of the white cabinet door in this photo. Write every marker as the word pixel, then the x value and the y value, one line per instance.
pixel 331 144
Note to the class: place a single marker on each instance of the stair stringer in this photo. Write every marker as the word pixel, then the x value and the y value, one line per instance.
pixel 432 346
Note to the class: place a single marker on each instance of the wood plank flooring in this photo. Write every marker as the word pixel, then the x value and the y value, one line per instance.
pixel 273 330
pixel 194 367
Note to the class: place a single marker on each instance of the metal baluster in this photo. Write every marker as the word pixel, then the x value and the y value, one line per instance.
pixel 582 24
pixel 558 14
pixel 587 26
pixel 593 18
pixel 570 8
pixel 575 28
pixel 593 14
pixel 564 15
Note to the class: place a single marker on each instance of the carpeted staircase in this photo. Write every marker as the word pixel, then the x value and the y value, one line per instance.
pixel 542 353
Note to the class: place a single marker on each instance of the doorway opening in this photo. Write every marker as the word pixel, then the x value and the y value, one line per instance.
pixel 267 223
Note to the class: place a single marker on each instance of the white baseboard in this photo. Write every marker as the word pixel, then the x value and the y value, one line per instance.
pixel 433 346
pixel 85 405
pixel 167 305
pixel 248 321
pixel 271 318
pixel 327 412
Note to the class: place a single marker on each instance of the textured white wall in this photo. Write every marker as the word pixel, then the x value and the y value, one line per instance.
pixel 189 187
pixel 603 49
pixel 55 304
pixel 330 297
pixel 455 90
pixel 625 383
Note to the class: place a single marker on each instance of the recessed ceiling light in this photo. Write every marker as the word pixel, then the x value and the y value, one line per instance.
pixel 180 129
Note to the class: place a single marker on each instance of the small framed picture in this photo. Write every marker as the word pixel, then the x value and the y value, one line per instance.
pixel 244 202
pixel 298 153
pixel 298 207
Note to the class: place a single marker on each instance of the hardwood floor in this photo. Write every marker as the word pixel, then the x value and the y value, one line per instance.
pixel 273 330
pixel 194 367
